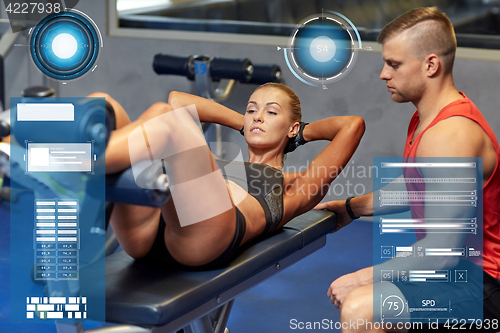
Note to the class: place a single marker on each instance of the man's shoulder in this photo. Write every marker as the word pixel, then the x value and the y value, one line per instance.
pixel 459 119
pixel 452 134
pixel 454 127
pixel 462 105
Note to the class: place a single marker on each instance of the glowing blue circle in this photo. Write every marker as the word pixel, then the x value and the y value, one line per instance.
pixel 51 52
pixel 322 49
pixel 64 46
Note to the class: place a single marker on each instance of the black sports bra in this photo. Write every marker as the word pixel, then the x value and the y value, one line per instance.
pixel 262 182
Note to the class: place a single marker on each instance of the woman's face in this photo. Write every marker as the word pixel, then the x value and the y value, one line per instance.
pixel 267 119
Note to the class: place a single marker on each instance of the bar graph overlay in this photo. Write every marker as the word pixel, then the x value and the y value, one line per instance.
pixel 428 198
pixel 427 239
pixel 429 225
pixel 429 276
pixel 56 239
pixel 445 252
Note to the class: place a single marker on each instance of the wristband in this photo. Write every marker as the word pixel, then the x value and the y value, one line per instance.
pixel 297 140
pixel 348 208
pixel 242 130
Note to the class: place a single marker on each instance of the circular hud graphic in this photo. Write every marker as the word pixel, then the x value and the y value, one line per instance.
pixel 322 48
pixel 64 46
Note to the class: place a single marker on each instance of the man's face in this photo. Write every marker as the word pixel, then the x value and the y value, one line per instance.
pixel 403 71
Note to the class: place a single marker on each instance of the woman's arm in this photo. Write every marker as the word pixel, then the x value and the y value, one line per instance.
pixel 311 186
pixel 208 111
pixel 327 129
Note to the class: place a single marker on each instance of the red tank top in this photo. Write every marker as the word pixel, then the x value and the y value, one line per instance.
pixel 491 190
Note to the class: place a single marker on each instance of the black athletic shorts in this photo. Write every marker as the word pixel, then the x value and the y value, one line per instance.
pixel 159 254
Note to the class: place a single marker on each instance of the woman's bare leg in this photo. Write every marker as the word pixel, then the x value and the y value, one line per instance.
pixel 134 226
pixel 193 236
pixel 200 217
pixel 121 117
pixel 117 151
pixel 201 242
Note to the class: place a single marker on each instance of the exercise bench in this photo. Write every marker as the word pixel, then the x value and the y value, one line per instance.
pixel 144 298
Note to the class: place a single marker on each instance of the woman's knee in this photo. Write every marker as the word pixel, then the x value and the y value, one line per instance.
pixel 155 110
pixel 100 94
pixel 121 117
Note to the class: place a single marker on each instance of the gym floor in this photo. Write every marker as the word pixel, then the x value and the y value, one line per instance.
pixel 299 292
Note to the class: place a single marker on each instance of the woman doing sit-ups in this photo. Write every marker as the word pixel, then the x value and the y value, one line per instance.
pixel 212 213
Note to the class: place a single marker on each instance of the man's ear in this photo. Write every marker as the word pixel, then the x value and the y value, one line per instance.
pixel 294 129
pixel 432 64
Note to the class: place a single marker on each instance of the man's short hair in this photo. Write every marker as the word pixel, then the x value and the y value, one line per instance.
pixel 434 34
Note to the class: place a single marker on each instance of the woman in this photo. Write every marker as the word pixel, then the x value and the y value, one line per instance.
pixel 267 203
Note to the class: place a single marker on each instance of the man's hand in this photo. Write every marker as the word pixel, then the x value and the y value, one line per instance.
pixel 345 284
pixel 338 207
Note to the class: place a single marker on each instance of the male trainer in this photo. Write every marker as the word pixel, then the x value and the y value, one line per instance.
pixel 419 50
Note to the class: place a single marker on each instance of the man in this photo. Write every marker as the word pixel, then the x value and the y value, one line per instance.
pixel 418 51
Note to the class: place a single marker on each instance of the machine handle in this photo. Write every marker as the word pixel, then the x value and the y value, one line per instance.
pixel 220 68
pixel 236 69
pixel 266 73
pixel 174 65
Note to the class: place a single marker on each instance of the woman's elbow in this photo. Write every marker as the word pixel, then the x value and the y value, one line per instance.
pixel 174 98
pixel 357 126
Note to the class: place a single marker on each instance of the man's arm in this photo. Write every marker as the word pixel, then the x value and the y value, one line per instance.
pixel 363 205
pixel 449 138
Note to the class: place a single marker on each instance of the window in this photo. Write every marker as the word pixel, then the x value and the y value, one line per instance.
pixel 477 22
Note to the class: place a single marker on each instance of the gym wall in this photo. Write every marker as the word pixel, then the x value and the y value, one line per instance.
pixel 125 72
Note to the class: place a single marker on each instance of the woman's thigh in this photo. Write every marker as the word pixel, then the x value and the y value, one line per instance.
pixel 200 217
pixel 135 227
